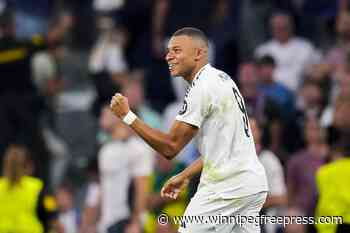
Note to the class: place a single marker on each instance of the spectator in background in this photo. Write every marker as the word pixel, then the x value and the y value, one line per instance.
pixel 134 91
pixel 73 120
pixel 340 87
pixel 281 114
pixel 295 228
pixel 32 17
pixel 320 74
pixel 21 105
pixel 333 182
pixel 336 56
pixel 48 81
pixel 253 16
pixel 224 48
pixel 310 104
pixel 156 204
pixel 339 130
pixel 293 55
pixel 25 203
pixel 276 199
pixel 92 204
pixel 273 89
pixel 302 167
pixel 166 19
pixel 248 82
pixel 122 160
pixel 107 64
pixel 313 18
pixel 261 106
pixel 109 7
pixel 311 100
pixel 68 213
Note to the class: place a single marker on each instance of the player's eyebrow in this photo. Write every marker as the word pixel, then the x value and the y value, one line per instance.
pixel 173 47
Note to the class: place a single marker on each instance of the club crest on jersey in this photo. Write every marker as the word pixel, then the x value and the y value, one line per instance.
pixel 184 108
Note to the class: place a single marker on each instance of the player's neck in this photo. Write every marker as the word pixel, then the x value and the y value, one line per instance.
pixel 195 71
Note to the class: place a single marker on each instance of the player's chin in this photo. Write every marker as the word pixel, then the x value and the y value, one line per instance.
pixel 174 74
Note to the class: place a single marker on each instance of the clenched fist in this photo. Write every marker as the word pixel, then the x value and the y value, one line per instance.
pixel 119 105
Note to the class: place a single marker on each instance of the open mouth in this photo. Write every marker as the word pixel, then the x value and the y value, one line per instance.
pixel 171 67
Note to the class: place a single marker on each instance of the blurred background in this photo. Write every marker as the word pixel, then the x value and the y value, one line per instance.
pixel 61 61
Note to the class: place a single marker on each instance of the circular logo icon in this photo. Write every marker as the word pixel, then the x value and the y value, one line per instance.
pixel 163 219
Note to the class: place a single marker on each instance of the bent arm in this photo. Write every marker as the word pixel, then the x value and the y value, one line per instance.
pixel 167 144
pixel 193 169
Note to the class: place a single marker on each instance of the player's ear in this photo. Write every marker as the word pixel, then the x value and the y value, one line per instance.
pixel 199 53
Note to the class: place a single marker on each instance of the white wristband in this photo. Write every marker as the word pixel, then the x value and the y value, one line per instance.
pixel 129 118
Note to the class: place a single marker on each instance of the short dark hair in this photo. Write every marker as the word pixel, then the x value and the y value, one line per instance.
pixel 192 32
pixel 266 60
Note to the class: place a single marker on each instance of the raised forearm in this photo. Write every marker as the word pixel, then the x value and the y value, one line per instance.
pixel 159 141
pixel 193 169
pixel 167 144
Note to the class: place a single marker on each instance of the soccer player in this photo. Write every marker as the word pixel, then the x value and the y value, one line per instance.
pixel 233 182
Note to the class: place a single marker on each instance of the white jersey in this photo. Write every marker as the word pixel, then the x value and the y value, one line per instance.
pixel 119 162
pixel 231 167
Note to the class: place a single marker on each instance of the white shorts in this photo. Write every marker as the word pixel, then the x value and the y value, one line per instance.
pixel 218 207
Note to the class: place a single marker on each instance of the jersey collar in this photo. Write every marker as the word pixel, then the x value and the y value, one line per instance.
pixel 199 72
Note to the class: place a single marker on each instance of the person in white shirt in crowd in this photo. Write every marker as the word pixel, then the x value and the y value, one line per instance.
pixel 91 208
pixel 107 54
pixel 107 6
pixel 107 63
pixel 124 159
pixel 276 200
pixel 68 212
pixel 233 181
pixel 292 54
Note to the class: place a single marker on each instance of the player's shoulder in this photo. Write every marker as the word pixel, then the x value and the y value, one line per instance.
pixel 212 76
pixel 209 81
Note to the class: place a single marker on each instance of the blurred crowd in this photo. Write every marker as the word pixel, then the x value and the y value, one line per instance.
pixel 61 61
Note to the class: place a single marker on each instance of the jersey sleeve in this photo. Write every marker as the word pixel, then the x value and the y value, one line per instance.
pixel 196 106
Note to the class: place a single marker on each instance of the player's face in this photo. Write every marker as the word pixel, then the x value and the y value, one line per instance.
pixel 181 56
